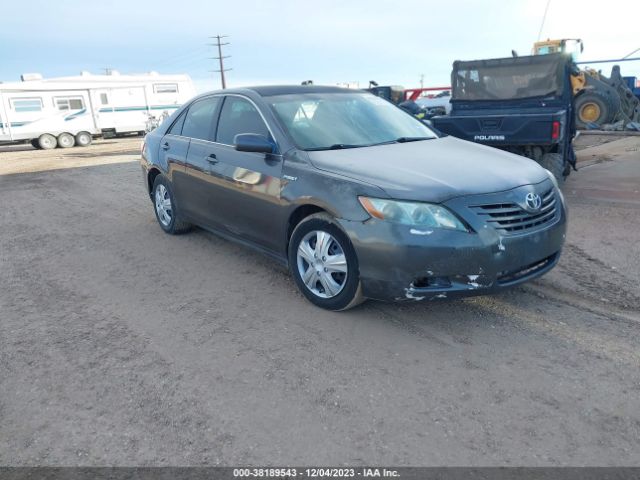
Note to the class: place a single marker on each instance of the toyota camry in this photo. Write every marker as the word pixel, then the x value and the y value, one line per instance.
pixel 357 197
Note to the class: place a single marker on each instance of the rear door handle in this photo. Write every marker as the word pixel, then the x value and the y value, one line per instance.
pixel 165 146
pixel 212 158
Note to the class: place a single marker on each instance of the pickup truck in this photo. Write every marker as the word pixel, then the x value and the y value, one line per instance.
pixel 520 104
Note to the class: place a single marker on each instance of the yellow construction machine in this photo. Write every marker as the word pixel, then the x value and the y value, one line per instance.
pixel 599 100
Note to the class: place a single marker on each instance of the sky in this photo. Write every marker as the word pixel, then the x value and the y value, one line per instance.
pixel 288 41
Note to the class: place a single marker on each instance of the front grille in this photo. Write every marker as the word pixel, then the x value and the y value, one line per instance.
pixel 511 218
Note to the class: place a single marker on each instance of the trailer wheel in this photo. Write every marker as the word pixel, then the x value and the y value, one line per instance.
pixel 66 140
pixel 46 141
pixel 555 164
pixel 83 139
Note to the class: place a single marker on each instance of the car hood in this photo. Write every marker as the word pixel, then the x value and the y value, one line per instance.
pixel 432 170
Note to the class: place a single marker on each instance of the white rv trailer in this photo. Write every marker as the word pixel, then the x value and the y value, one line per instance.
pixel 68 111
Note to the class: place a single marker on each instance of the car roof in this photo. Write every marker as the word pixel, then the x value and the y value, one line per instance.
pixel 271 90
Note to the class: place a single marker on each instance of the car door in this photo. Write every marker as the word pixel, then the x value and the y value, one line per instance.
pixel 249 182
pixel 197 195
pixel 173 153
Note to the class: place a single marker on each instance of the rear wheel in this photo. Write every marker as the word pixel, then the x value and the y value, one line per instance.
pixel 66 140
pixel 591 107
pixel 555 164
pixel 165 207
pixel 83 139
pixel 324 264
pixel 47 141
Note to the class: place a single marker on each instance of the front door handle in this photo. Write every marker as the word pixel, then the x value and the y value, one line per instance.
pixel 165 146
pixel 212 158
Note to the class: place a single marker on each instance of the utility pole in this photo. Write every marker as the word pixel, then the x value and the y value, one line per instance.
pixel 220 57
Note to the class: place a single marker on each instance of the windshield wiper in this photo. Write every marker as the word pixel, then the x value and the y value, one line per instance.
pixel 401 140
pixel 337 146
pixel 341 146
pixel 412 139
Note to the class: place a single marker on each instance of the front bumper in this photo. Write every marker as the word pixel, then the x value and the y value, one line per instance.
pixel 398 262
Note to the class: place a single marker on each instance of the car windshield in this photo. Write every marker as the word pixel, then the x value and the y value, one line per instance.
pixel 323 121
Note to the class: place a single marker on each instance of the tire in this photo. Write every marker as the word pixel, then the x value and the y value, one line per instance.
pixel 591 107
pixel 555 164
pixel 66 140
pixel 47 141
pixel 83 139
pixel 342 276
pixel 166 213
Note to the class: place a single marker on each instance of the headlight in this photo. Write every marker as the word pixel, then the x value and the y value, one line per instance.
pixel 411 213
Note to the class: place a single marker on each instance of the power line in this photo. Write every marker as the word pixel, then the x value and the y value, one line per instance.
pixel 220 57
pixel 629 54
pixel 544 17
pixel 188 56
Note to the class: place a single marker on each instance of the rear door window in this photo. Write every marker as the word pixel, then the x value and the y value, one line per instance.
pixel 200 119
pixel 176 128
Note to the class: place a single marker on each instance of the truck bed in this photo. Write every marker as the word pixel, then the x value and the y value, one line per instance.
pixel 504 128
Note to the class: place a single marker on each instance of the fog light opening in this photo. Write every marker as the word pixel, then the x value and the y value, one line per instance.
pixel 432 282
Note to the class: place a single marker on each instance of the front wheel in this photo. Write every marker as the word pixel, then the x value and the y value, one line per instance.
pixel 592 108
pixel 165 207
pixel 324 264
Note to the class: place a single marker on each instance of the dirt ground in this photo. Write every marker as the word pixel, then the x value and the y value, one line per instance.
pixel 120 345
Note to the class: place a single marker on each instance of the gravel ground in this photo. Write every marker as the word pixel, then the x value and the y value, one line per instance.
pixel 120 345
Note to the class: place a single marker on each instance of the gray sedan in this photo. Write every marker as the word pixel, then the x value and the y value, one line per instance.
pixel 358 198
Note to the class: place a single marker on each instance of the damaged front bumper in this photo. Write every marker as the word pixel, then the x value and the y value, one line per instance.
pixel 399 263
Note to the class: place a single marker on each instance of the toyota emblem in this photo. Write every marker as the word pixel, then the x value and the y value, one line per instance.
pixel 533 202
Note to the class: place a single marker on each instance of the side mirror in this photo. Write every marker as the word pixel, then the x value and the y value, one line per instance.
pixel 252 142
